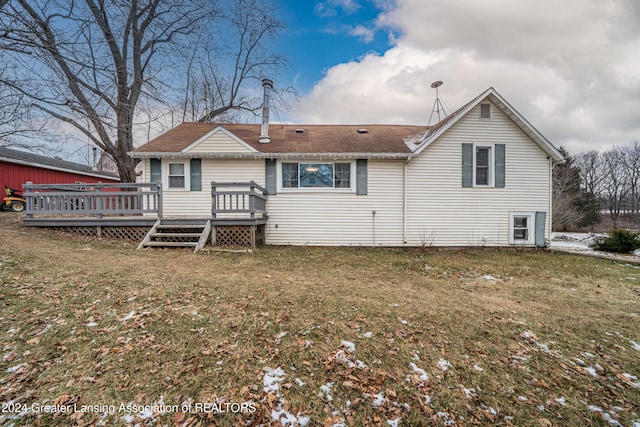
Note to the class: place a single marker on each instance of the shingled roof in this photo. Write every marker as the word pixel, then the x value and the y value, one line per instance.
pixel 384 141
pixel 9 155
pixel 295 139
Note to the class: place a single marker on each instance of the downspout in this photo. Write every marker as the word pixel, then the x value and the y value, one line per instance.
pixel 550 198
pixel 404 201
pixel 373 215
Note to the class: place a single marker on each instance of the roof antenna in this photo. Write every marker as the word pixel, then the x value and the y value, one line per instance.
pixel 437 105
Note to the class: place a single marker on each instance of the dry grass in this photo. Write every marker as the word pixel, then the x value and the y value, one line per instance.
pixel 541 339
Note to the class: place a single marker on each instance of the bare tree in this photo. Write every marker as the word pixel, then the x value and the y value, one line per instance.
pixel 17 126
pixel 630 162
pixel 567 194
pixel 219 71
pixel 89 63
pixel 615 188
pixel 592 171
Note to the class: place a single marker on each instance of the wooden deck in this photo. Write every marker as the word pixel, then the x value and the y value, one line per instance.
pixel 136 208
pixel 116 221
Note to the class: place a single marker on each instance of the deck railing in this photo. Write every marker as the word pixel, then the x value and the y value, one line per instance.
pixel 238 199
pixel 94 200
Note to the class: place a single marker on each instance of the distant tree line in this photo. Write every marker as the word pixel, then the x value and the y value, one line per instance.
pixel 594 185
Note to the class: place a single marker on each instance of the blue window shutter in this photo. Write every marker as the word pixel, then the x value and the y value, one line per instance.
pixel 467 165
pixel 270 177
pixel 155 170
pixel 541 222
pixel 195 168
pixel 361 176
pixel 500 165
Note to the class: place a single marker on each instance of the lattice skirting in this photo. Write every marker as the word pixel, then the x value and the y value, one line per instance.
pixel 124 233
pixel 239 235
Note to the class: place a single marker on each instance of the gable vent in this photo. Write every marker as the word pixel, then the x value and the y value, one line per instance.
pixel 362 131
pixel 299 130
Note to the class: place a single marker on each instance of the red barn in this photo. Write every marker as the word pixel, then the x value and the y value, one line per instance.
pixel 18 167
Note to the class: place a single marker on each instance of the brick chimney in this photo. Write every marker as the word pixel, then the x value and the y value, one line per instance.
pixel 264 131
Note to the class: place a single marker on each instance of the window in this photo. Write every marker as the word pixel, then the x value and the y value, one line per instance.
pixel 521 228
pixel 485 111
pixel 316 175
pixel 483 163
pixel 176 175
pixel 343 175
pixel 289 175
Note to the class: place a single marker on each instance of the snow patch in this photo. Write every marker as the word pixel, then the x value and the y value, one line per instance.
pixel 394 423
pixel 13 369
pixel 326 391
pixel 591 371
pixel 272 379
pixel 349 346
pixel 379 399
pixel 444 364
pixel 128 316
pixel 421 372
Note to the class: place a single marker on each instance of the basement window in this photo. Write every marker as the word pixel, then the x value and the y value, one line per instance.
pixel 521 228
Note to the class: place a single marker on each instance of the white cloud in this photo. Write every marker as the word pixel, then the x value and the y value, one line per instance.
pixel 366 34
pixel 570 67
pixel 330 7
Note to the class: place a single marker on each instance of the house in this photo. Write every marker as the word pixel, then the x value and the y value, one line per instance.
pixel 480 177
pixel 18 167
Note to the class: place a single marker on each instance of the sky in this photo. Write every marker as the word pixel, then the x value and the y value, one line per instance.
pixel 572 68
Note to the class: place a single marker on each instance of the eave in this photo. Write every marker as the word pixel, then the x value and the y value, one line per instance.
pixel 284 156
pixel 507 110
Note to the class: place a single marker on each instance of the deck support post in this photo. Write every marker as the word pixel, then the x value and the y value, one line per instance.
pixel 253 236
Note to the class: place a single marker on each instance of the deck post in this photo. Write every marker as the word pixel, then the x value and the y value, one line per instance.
pixel 30 199
pixel 159 200
pixel 99 201
pixel 253 236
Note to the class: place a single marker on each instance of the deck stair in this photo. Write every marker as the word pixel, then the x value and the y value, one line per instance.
pixel 174 233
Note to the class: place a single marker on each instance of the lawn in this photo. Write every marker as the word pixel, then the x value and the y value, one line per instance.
pixel 97 333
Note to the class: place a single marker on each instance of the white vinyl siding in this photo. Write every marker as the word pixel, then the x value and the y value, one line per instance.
pixel 450 215
pixel 219 142
pixel 333 217
pixel 184 203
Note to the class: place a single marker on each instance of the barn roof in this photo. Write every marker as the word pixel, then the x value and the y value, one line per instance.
pixel 18 157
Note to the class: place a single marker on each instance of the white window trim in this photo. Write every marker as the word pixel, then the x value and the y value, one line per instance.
pixel 187 175
pixel 492 165
pixel 530 227
pixel 350 189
